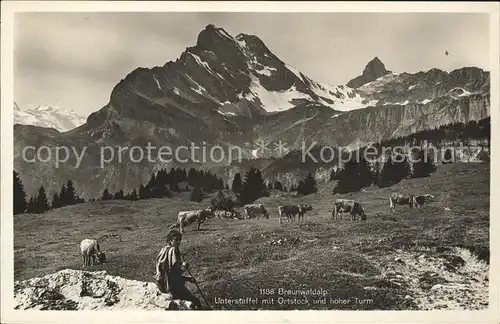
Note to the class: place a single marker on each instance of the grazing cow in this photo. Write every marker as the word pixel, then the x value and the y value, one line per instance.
pixel 185 218
pixel 348 206
pixel 255 210
pixel 290 211
pixel 90 249
pixel 303 208
pixel 419 200
pixel 400 199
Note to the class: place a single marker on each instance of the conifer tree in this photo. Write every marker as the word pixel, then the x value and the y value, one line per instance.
pixel 348 178
pixel 70 196
pixel 207 182
pixel 423 165
pixel 62 195
pixel 31 207
pixel 119 195
pixel 365 173
pixel 106 195
pixel 56 201
pixel 42 203
pixel 237 184
pixel 20 204
pixel 253 187
pixel 309 185
pixel 386 177
pixel 402 168
pixel 192 177
pixel 196 193
pixel 133 195
pixel 143 192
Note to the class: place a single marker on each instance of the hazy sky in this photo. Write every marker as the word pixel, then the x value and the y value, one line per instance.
pixel 73 60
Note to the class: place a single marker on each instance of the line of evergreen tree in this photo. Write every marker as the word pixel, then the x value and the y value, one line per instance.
pixel 358 172
pixel 40 203
pixel 66 196
pixel 163 183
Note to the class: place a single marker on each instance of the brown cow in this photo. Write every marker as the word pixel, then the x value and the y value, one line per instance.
pixel 290 211
pixel 400 199
pixel 185 218
pixel 411 200
pixel 255 210
pixel 348 206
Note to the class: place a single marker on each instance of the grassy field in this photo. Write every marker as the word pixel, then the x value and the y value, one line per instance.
pixel 407 260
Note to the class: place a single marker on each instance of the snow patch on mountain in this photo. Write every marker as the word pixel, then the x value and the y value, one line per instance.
pixel 355 103
pixel 378 84
pixel 299 122
pixel 458 92
pixel 49 117
pixel 397 103
pixel 274 100
pixel 157 83
pixel 266 70
pixel 342 98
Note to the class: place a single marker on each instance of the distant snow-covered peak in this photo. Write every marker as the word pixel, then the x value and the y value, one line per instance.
pixel 48 116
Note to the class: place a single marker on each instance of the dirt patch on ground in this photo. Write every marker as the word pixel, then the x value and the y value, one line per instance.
pixel 452 279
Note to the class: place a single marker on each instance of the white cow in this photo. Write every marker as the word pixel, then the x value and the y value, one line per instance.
pixel 90 249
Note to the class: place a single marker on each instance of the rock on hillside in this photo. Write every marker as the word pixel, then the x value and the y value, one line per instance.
pixel 83 290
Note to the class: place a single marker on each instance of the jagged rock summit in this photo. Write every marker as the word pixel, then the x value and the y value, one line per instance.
pixel 83 290
pixel 372 71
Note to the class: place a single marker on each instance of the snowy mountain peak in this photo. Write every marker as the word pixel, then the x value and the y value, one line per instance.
pixel 48 116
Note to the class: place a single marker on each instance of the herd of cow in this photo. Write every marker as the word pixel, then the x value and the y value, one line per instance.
pixel 292 211
pixel 90 249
